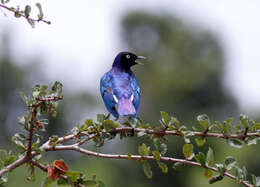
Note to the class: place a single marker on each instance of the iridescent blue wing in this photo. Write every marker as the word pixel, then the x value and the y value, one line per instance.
pixel 136 93
pixel 107 93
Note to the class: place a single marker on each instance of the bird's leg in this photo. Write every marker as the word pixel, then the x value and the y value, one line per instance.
pixel 107 116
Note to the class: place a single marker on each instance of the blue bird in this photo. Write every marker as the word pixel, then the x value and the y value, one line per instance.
pixel 119 87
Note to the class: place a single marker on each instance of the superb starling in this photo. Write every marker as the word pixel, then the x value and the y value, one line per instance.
pixel 119 87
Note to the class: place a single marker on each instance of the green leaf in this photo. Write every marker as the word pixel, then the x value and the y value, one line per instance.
pixel 73 175
pixel 244 120
pixel 253 179
pixel 165 118
pixel 200 141
pixel 156 155
pixel 101 117
pixel 251 141
pixel 141 133
pixel 47 182
pixel 89 122
pixel 40 15
pixel 144 150
pixel 187 150
pixel 109 124
pixel 178 166
pixel 204 120
pixel 230 162
pixel 32 23
pixel 57 88
pixel 239 174
pixel 163 167
pixel 210 157
pixel 235 143
pixel 161 147
pixel 61 181
pixel 18 142
pixel 255 127
pixel 221 169
pixel 201 158
pixel 4 177
pixel 147 169
pixel 27 10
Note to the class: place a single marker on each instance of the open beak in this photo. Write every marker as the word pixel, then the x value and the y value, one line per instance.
pixel 140 57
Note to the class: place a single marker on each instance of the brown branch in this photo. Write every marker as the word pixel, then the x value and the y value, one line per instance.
pixel 160 133
pixel 77 148
pixel 22 15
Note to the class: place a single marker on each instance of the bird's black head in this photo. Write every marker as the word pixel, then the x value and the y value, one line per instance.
pixel 126 60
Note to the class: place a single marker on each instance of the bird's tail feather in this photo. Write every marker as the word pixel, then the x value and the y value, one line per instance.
pixel 125 107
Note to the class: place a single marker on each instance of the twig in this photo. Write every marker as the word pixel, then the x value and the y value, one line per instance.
pixel 15 11
pixel 136 157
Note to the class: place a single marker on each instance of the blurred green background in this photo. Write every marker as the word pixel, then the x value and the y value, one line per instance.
pixel 183 75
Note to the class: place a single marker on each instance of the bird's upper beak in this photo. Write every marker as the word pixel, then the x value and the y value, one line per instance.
pixel 140 57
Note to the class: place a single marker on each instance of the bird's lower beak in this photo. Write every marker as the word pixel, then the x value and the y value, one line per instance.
pixel 140 57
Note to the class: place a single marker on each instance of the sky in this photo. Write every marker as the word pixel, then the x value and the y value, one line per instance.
pixel 83 39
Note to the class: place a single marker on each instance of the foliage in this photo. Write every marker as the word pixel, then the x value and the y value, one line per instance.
pixel 42 101
pixel 25 12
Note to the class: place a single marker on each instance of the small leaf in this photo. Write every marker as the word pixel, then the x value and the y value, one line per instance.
pixel 27 10
pixel 210 157
pixel 187 150
pixel 239 174
pixel 61 181
pixel 178 166
pixel 4 177
pixel 235 143
pixel 161 147
pixel 253 179
pixel 255 127
pixel 221 168
pixel 163 167
pixel 147 169
pixel 156 155
pixel 244 120
pixel 200 141
pixel 201 158
pixel 101 117
pixel 165 118
pixel 141 133
pixel 32 23
pixel 74 175
pixel 109 124
pixel 144 150
pixel 40 15
pixel 230 162
pixel 129 155
pixel 204 120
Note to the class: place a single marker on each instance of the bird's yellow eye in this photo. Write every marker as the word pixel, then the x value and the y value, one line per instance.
pixel 127 56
